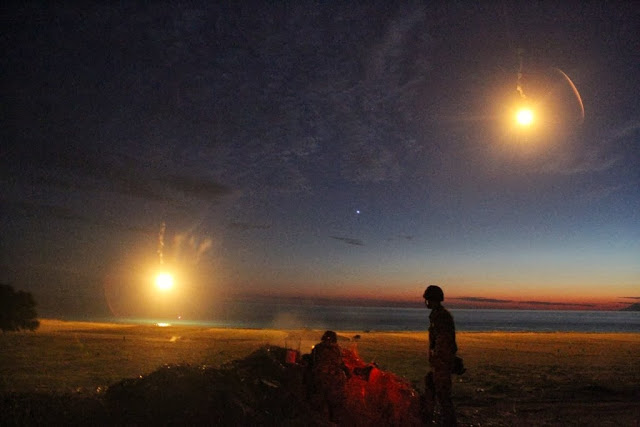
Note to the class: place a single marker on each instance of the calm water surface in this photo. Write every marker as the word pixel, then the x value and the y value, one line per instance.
pixel 290 316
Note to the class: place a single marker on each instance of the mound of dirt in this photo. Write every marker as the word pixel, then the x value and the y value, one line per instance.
pixel 256 390
pixel 261 389
pixel 268 387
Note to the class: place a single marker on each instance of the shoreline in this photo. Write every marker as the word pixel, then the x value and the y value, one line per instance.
pixel 414 320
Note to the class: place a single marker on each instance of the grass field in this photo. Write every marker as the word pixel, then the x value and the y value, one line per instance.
pixel 512 378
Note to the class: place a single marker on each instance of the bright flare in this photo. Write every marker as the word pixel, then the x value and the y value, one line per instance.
pixel 164 281
pixel 524 117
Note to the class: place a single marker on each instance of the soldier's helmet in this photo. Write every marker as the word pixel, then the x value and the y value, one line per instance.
pixel 433 293
pixel 330 336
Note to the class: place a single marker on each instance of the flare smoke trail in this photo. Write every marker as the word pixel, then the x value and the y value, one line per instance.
pixel 161 242
pixel 203 247
pixel 189 249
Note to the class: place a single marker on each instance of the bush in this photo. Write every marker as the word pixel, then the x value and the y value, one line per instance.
pixel 17 310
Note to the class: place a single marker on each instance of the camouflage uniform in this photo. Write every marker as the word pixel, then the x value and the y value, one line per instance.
pixel 328 378
pixel 442 350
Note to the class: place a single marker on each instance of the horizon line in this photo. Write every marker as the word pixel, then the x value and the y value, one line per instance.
pixel 452 302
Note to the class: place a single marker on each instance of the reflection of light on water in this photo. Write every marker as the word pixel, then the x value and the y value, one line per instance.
pixel 163 324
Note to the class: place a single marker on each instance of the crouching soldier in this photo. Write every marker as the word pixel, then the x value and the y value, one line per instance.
pixel 328 377
pixel 442 355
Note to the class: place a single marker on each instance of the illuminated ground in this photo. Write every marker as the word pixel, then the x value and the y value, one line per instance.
pixel 512 378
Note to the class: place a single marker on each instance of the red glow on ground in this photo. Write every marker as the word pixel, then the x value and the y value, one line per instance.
pixel 376 395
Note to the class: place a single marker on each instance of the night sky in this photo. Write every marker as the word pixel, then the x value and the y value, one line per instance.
pixel 319 150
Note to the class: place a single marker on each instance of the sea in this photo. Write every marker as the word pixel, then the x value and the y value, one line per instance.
pixel 369 319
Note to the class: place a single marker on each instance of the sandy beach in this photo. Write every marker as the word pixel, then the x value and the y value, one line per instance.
pixel 512 378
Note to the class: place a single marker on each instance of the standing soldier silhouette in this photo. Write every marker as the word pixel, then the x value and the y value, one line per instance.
pixel 442 355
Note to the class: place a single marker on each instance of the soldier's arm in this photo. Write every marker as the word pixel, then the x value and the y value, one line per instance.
pixel 445 343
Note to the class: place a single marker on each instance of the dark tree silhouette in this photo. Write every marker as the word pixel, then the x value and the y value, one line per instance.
pixel 17 310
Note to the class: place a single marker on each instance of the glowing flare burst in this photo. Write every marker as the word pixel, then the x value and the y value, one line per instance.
pixel 524 117
pixel 164 281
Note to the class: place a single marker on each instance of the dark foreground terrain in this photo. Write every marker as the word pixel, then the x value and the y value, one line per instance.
pixel 261 389
pixel 114 374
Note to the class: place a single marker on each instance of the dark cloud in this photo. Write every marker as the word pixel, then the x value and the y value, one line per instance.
pixel 349 240
pixel 482 299
pixel 44 211
pixel 404 237
pixel 91 169
pixel 635 298
pixel 548 303
pixel 503 301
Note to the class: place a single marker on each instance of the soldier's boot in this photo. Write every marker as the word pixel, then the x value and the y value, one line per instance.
pixel 429 401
